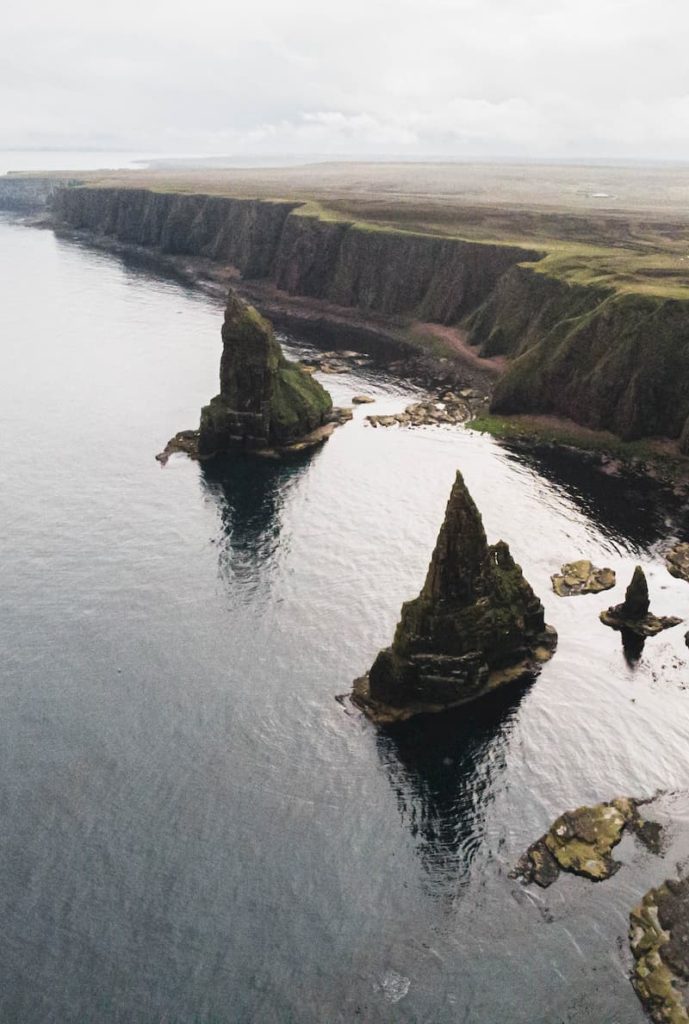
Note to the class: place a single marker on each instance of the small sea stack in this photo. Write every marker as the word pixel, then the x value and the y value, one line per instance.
pixel 633 615
pixel 476 625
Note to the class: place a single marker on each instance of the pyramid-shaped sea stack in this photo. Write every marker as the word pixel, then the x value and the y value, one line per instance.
pixel 475 626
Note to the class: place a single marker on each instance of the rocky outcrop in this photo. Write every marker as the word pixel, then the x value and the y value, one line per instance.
pixel 659 940
pixel 582 841
pixel 265 401
pixel 475 626
pixel 582 577
pixel 633 615
pixel 677 561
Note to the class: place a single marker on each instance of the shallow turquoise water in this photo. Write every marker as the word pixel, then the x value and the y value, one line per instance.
pixel 193 829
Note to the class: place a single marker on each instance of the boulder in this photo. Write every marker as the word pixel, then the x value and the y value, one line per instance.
pixel 581 842
pixel 265 400
pixel 582 578
pixel 659 940
pixel 475 626
pixel 633 614
pixel 677 561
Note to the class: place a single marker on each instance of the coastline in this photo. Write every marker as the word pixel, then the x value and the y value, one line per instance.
pixel 431 355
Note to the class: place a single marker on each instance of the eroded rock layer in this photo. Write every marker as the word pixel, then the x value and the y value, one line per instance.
pixel 476 625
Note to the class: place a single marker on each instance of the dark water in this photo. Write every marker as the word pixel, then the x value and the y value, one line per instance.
pixel 192 829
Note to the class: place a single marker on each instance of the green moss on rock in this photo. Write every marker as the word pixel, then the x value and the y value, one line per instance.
pixel 581 842
pixel 265 400
pixel 475 625
pixel 659 940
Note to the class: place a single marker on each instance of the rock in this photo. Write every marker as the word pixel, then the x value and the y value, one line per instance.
pixel 362 400
pixel 581 842
pixel 677 561
pixel 265 401
pixel 633 614
pixel 659 940
pixel 475 626
pixel 186 442
pixel 582 578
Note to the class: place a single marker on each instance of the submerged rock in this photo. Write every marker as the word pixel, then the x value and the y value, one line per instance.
pixel 677 561
pixel 265 400
pixel 659 940
pixel 582 578
pixel 633 614
pixel 582 841
pixel 475 626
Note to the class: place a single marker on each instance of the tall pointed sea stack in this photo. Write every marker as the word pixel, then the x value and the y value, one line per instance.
pixel 265 400
pixel 476 625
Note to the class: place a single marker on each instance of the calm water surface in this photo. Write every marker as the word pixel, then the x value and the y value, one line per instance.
pixel 193 829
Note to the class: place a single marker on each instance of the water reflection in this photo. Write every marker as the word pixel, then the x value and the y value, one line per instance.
pixel 250 494
pixel 443 769
pixel 632 646
pixel 625 508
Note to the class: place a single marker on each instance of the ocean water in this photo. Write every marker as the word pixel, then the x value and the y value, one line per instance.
pixel 193 829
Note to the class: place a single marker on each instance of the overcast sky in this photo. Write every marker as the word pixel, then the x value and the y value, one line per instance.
pixel 456 78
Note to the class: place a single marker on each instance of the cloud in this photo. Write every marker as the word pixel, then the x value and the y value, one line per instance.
pixel 372 77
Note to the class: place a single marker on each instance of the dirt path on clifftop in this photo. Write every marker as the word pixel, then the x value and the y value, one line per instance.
pixel 456 340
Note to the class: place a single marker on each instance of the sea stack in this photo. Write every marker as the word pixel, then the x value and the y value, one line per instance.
pixel 475 626
pixel 633 615
pixel 265 401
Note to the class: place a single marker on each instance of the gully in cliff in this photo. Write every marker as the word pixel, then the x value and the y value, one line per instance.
pixel 266 404
pixel 475 626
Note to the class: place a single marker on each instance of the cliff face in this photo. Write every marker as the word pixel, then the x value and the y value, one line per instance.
pixel 264 399
pixel 617 362
pixel 609 361
pixel 475 625
pixel 382 271
pixel 26 194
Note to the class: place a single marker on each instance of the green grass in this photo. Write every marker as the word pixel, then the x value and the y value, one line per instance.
pixel 658 453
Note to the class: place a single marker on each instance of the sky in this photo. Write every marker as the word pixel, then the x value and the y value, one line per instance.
pixel 364 78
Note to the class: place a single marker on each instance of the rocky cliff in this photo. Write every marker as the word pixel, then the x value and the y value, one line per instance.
pixel 26 193
pixel 371 269
pixel 265 401
pixel 476 625
pixel 608 360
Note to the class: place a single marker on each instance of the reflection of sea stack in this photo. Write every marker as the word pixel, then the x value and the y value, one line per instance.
pixel 476 625
pixel 265 401
pixel 633 614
